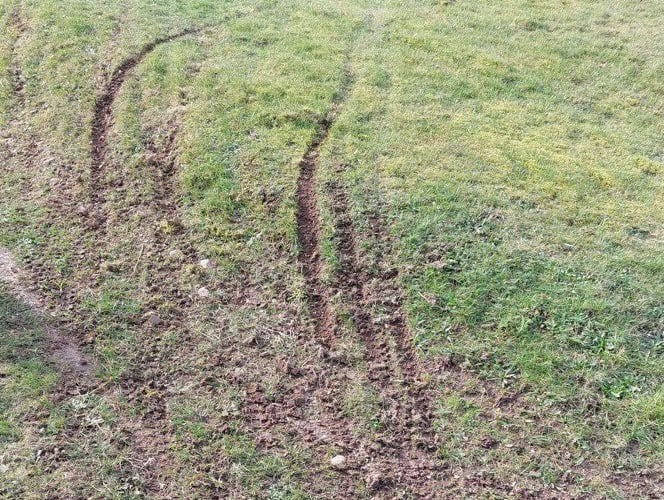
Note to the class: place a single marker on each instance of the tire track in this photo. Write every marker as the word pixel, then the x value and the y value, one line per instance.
pixel 308 219
pixel 353 282
pixel 103 113
pixel 402 457
pixel 147 383
pixel 17 81
pixel 375 305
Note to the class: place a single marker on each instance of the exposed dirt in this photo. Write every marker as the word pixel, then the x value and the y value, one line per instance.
pixel 308 227
pixel 146 384
pixel 75 369
pixel 149 436
pixel 355 282
pixel 102 119
pixel 148 381
pixel 375 305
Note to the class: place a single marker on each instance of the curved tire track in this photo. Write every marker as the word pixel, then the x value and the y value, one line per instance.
pixel 151 434
pixel 103 112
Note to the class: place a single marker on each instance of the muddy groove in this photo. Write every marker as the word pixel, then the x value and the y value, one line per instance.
pixel 308 219
pixel 103 113
pixel 353 282
pixel 400 456
pixel 375 302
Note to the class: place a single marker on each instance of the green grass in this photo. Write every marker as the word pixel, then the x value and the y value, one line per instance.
pixel 27 377
pixel 523 183
pixel 27 380
pixel 513 149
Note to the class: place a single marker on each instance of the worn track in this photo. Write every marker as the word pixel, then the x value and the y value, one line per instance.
pixel 409 408
pixel 103 116
pixel 308 219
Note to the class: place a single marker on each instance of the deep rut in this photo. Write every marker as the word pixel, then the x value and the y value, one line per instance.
pixel 308 219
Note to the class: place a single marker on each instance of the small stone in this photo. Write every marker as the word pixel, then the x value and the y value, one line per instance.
pixel 203 292
pixel 205 264
pixel 338 461
pixel 82 210
pixel 153 319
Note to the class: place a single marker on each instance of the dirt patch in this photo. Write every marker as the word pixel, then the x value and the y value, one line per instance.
pixel 375 305
pixel 354 282
pixel 166 304
pixel 167 307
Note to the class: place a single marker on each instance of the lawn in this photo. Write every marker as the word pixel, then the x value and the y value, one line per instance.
pixel 468 302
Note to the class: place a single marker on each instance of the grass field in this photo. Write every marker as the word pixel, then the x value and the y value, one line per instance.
pixel 331 249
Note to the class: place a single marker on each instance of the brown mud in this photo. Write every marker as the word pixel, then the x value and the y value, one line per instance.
pixel 308 219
